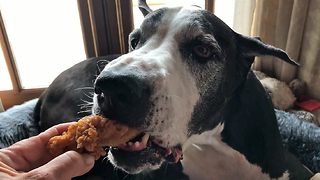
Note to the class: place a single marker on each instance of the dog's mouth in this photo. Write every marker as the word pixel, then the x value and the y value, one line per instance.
pixel 143 152
pixel 144 144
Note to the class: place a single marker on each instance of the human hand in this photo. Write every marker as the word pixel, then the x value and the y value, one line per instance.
pixel 316 177
pixel 29 159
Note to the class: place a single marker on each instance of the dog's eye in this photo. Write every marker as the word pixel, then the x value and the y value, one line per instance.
pixel 134 42
pixel 201 51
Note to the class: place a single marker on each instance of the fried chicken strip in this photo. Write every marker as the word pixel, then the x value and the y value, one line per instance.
pixel 89 134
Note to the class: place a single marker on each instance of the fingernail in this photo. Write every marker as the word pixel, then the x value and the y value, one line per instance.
pixel 88 159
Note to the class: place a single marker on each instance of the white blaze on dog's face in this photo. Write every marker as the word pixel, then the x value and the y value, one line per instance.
pixel 180 63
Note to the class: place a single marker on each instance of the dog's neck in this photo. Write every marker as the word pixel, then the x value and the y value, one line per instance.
pixel 206 156
pixel 240 141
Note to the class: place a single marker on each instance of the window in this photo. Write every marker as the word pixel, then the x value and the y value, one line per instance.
pixel 40 39
pixel 37 44
pixel 43 42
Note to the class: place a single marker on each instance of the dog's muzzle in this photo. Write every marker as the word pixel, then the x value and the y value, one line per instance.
pixel 123 96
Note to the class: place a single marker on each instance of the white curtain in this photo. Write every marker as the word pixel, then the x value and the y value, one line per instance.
pixel 292 25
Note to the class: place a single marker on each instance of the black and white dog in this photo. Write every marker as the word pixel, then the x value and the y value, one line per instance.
pixel 187 84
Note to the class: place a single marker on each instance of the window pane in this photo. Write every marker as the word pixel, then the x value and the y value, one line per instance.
pixel 225 11
pixel 45 37
pixel 156 4
pixel 5 81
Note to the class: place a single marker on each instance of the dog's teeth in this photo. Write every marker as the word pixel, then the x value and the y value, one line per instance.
pixel 130 143
pixel 157 155
pixel 144 139
pixel 137 144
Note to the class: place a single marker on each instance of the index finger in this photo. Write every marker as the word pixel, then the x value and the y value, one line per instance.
pixel 31 153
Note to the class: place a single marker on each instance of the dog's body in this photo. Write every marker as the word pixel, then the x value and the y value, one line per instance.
pixel 187 83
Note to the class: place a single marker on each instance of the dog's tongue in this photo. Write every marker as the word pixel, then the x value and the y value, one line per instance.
pixel 173 155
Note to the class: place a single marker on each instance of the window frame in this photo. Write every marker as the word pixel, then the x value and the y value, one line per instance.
pixel 115 30
pixel 17 95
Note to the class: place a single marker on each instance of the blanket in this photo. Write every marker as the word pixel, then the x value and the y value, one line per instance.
pixel 18 123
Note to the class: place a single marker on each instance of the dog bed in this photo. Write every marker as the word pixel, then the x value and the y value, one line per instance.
pixel 18 123
pixel 301 138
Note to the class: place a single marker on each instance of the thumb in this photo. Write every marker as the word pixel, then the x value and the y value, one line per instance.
pixel 64 167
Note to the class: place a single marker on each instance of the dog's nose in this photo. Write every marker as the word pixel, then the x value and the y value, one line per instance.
pixel 122 96
pixel 123 88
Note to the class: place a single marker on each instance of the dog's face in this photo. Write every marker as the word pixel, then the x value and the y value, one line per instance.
pixel 175 74
pixel 183 66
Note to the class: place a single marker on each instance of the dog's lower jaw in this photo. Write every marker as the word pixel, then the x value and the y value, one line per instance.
pixel 134 169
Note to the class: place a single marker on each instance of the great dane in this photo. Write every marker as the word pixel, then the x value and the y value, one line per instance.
pixel 187 84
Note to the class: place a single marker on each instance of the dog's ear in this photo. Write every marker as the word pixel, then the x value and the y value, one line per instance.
pixel 253 46
pixel 144 8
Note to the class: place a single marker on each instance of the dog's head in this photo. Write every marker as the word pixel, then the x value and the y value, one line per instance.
pixel 183 66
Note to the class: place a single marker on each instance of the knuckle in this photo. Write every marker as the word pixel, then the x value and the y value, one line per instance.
pixel 36 175
pixel 73 157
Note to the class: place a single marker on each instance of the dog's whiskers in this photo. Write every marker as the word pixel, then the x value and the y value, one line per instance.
pixel 88 96
pixel 85 107
pixel 105 159
pixel 99 69
pixel 84 88
pixel 116 170
pixel 109 99
pixel 91 94
pixel 131 178
pixel 126 176
pixel 102 61
pixel 80 112
pixel 85 104
pixel 165 170
pixel 149 173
